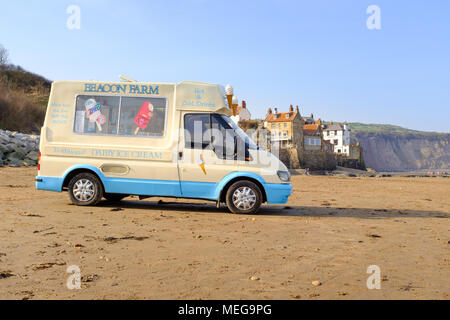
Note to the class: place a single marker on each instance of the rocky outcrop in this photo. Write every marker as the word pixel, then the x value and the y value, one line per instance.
pixel 295 158
pixel 18 149
pixel 400 152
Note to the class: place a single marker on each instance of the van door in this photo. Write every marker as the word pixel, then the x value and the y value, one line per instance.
pixel 202 163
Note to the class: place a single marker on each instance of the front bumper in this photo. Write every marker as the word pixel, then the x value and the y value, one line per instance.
pixel 277 193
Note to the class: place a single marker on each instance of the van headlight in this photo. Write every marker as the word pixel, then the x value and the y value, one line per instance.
pixel 284 176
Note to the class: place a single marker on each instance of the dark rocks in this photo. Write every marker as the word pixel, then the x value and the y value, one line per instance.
pixel 18 149
pixel 33 155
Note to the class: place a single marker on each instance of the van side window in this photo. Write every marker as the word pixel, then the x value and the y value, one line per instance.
pixel 142 116
pixel 96 114
pixel 223 138
pixel 133 116
pixel 197 129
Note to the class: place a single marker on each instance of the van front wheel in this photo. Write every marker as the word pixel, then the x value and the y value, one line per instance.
pixel 85 189
pixel 244 197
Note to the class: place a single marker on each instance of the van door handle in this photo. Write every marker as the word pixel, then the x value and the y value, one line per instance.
pixel 180 155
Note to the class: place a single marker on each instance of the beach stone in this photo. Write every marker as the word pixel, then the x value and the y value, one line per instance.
pixel 26 148
pixel 29 162
pixel 16 155
pixel 15 163
pixel 12 147
pixel 33 155
pixel 17 149
pixel 4 139
pixel 316 283
pixel 2 163
pixel 3 148
pixel 18 142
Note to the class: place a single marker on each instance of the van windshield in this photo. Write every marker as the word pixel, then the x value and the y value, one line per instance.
pixel 240 133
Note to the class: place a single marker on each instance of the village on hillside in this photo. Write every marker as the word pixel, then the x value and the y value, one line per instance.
pixel 302 141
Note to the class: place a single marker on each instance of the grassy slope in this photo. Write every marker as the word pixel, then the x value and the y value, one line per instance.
pixel 358 127
pixel 23 99
pixel 387 128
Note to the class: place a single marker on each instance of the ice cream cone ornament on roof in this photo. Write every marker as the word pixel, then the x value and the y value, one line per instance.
pixel 229 92
pixel 235 103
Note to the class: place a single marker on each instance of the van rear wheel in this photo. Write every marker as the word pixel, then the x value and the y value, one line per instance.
pixel 85 189
pixel 244 197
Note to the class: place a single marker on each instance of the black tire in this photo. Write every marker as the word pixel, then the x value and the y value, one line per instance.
pixel 251 201
pixel 114 197
pixel 93 189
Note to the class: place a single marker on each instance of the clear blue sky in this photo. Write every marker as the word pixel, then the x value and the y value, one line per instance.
pixel 316 54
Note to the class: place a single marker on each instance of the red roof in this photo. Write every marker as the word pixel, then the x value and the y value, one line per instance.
pixel 310 128
pixel 281 116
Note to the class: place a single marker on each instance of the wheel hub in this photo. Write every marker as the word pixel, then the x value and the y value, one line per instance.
pixel 84 190
pixel 244 198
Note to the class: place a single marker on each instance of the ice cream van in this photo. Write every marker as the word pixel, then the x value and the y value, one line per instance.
pixel 115 139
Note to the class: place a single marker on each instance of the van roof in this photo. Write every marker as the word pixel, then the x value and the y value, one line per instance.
pixel 118 81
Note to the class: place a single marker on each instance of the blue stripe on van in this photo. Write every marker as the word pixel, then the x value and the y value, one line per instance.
pixel 142 187
pixel 276 193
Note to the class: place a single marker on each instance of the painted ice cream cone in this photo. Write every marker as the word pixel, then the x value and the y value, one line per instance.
pixel 202 164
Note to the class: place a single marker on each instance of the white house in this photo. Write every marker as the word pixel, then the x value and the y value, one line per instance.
pixel 242 113
pixel 339 136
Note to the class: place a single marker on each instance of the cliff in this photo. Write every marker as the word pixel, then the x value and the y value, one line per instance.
pixel 394 149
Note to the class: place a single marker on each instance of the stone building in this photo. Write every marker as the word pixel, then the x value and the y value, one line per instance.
pixel 347 154
pixel 299 140
pixel 355 158
pixel 312 137
pixel 285 127
pixel 242 113
pixel 339 136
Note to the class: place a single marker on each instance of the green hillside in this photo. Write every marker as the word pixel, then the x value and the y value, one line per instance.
pixel 386 128
pixel 23 99
pixel 358 127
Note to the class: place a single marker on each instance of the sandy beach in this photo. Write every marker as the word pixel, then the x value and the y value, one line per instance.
pixel 331 230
